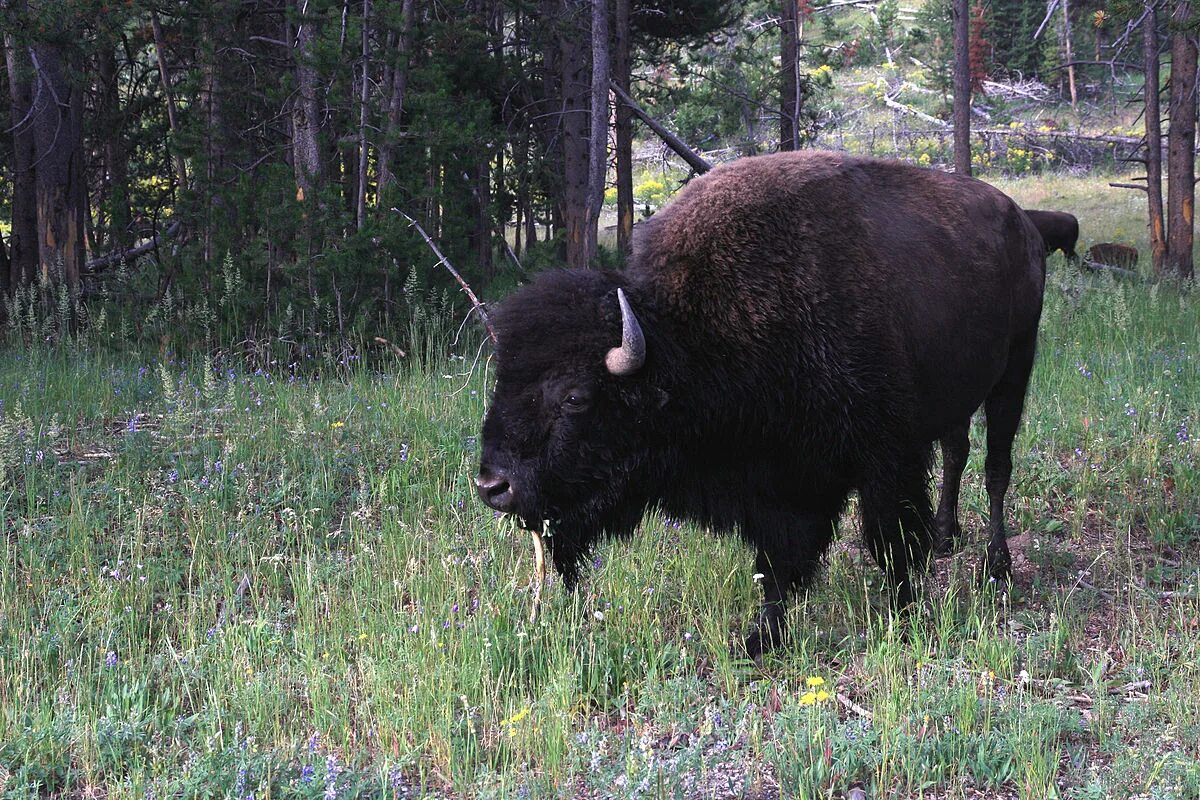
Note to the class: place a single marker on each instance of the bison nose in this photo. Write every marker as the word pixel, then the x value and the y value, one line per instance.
pixel 495 489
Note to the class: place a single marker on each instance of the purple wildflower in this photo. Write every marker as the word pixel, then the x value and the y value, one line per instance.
pixel 110 660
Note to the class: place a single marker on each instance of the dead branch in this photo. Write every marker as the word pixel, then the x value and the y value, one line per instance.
pixel 103 262
pixel 445 262
pixel 694 160
pixel 1128 186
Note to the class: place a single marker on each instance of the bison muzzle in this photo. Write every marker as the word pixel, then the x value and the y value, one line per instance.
pixel 791 328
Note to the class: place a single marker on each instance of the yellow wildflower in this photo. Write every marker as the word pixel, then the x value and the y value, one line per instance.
pixel 808 698
pixel 338 424
pixel 815 681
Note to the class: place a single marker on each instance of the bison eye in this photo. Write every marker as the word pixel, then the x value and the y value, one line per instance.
pixel 575 401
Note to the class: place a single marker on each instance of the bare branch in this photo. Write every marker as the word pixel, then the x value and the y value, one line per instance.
pixel 445 262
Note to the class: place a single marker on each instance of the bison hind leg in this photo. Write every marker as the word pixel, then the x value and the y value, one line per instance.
pixel 790 547
pixel 956 446
pixel 1004 407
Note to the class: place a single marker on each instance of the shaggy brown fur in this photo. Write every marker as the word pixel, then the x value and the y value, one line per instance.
pixel 813 323
pixel 1114 255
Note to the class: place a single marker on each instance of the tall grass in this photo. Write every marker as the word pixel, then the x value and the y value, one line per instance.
pixel 217 580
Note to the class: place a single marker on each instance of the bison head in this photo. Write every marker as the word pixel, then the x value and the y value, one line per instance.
pixel 566 439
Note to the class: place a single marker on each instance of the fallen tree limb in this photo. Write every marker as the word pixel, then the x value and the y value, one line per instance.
pixel 104 262
pixel 890 103
pixel 694 160
pixel 445 262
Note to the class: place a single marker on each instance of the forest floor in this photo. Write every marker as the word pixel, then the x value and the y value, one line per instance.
pixel 222 580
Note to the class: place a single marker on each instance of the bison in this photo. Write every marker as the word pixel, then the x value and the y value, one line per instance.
pixel 1113 255
pixel 1059 230
pixel 790 328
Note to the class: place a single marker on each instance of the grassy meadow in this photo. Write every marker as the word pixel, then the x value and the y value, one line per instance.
pixel 218 580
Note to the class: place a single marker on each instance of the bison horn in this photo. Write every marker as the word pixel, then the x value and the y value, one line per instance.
pixel 631 355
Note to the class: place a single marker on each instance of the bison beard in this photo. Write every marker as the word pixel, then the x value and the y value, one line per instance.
pixel 791 328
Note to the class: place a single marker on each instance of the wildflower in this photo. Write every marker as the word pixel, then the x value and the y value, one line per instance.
pixel 808 699
pixel 306 774
pixel 814 682
pixel 110 660
pixel 404 452
pixel 338 424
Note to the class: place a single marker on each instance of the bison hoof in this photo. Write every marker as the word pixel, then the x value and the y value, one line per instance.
pixel 997 570
pixel 766 636
pixel 947 538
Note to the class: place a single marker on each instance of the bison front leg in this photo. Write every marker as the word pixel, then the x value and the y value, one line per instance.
pixel 896 521
pixel 789 551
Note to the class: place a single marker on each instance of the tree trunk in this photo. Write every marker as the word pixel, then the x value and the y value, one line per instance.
pixel 1153 118
pixel 360 203
pixel 598 135
pixel 23 247
pixel 114 194
pixel 61 189
pixel 575 124
pixel 306 149
pixel 789 95
pixel 624 131
pixel 962 88
pixel 1181 142
pixel 1068 51
pixel 181 175
pixel 398 87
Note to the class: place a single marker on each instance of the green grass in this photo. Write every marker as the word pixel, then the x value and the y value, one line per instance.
pixel 221 583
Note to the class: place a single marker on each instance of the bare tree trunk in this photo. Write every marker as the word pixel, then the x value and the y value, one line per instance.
pixel 23 247
pixel 1068 51
pixel 598 138
pixel 1153 117
pixel 363 118
pixel 306 149
pixel 114 195
pixel 58 146
pixel 575 126
pixel 1181 142
pixel 398 88
pixel 181 175
pixel 962 88
pixel 789 96
pixel 624 131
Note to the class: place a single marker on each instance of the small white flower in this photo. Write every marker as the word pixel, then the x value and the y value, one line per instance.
pixel 599 615
pixel 758 577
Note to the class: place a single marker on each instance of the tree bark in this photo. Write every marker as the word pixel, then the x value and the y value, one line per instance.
pixel 1067 47
pixel 23 247
pixel 306 147
pixel 623 130
pixel 1181 142
pixel 598 135
pixel 1153 120
pixel 114 194
pixel 575 125
pixel 61 187
pixel 398 88
pixel 363 118
pixel 181 173
pixel 789 95
pixel 962 88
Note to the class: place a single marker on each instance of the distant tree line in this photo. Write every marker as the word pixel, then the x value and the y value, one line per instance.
pixel 278 135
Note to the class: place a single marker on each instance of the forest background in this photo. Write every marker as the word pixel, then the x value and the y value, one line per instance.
pixel 162 155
